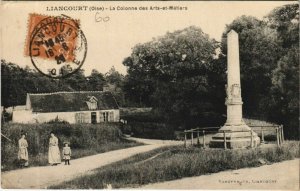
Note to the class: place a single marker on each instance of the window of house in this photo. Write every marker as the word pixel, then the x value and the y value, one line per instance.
pixel 111 116
pixel 106 116
pixel 79 117
pixel 82 117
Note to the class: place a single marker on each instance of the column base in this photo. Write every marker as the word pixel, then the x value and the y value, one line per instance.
pixel 234 138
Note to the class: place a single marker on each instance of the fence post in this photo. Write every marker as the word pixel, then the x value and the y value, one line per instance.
pixel 282 134
pixel 198 139
pixel 262 136
pixel 225 144
pixel 204 139
pixel 192 138
pixel 252 145
pixel 184 138
pixel 277 136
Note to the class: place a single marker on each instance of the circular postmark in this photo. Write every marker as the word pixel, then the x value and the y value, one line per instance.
pixel 57 46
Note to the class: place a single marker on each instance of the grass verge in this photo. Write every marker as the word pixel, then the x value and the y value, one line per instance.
pixel 169 163
pixel 85 140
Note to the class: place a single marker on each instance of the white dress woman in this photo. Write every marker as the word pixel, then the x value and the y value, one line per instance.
pixel 54 153
pixel 23 152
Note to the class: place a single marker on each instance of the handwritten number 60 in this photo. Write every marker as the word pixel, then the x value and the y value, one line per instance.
pixel 99 18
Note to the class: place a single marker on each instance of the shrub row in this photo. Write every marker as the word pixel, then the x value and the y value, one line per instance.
pixel 143 117
pixel 149 130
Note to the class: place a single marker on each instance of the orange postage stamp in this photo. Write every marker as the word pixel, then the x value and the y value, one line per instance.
pixel 56 45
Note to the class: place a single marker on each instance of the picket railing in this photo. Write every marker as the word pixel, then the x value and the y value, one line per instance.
pixel 198 130
pixel 278 129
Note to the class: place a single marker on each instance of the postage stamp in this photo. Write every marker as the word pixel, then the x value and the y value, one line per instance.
pixel 56 45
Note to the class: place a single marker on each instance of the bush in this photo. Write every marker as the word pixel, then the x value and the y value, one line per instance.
pixel 57 120
pixel 92 137
pixel 147 125
pixel 149 130
pixel 143 117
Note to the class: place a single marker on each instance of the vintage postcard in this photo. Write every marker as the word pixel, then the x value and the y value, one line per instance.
pixel 150 95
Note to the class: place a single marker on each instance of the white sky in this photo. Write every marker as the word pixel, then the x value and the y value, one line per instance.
pixel 110 42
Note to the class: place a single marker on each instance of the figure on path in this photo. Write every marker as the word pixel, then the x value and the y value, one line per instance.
pixel 54 153
pixel 67 153
pixel 23 152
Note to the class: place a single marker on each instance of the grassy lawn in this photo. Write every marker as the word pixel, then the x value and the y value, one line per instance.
pixel 85 140
pixel 174 162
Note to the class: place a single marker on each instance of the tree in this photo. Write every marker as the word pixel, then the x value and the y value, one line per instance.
pixel 284 105
pixel 114 77
pixel 172 74
pixel 285 20
pixel 17 82
pixel 96 81
pixel 77 81
pixel 115 83
pixel 286 91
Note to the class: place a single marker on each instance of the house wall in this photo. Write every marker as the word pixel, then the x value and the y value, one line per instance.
pixel 27 116
pixel 22 116
pixel 45 117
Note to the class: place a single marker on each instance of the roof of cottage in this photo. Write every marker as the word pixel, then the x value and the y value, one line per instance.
pixel 71 101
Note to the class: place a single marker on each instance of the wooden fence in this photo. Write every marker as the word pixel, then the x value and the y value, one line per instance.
pixel 278 129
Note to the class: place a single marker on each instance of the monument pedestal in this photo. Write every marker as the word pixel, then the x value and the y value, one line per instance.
pixel 237 136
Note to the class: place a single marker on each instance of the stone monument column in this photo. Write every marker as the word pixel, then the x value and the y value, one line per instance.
pixel 237 132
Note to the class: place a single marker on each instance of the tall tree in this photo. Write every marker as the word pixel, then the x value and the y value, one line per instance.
pixel 96 81
pixel 17 82
pixel 114 77
pixel 285 20
pixel 284 105
pixel 77 81
pixel 115 81
pixel 171 73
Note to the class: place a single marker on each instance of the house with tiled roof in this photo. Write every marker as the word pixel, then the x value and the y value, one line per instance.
pixel 73 107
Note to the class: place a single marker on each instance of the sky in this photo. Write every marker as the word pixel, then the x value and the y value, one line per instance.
pixel 111 41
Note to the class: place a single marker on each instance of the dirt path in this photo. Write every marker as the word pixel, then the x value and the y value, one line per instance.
pixel 278 176
pixel 43 177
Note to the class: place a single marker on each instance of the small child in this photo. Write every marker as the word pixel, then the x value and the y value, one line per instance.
pixel 67 153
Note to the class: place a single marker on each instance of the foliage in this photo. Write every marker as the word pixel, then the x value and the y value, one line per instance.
pixel 96 81
pixel 85 139
pixel 172 73
pixel 115 83
pixel 149 130
pixel 143 117
pixel 114 77
pixel 285 20
pixel 17 82
pixel 170 163
pixel 284 105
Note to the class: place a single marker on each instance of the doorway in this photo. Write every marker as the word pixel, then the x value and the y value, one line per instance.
pixel 93 117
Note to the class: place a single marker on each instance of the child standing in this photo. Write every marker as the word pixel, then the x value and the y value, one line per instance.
pixel 67 153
